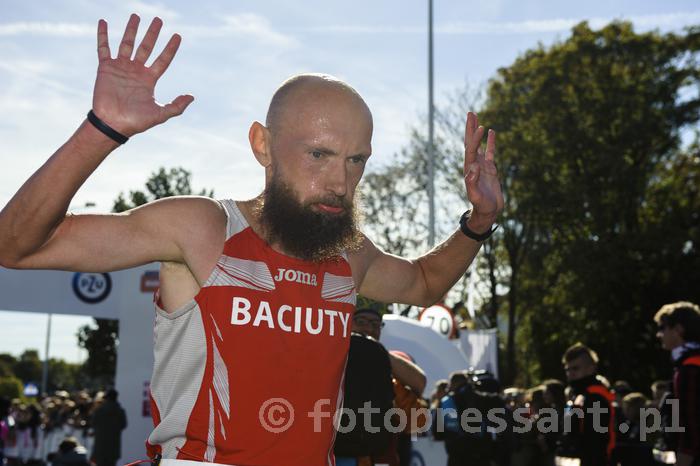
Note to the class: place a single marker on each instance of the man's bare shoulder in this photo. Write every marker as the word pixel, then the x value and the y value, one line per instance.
pixel 188 214
pixel 196 217
pixel 362 257
pixel 201 232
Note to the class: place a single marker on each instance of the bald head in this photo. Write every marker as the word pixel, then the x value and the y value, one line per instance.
pixel 302 92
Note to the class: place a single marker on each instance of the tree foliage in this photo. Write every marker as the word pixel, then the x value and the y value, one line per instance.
pixel 10 387
pixel 600 226
pixel 28 367
pixel 163 183
pixel 602 215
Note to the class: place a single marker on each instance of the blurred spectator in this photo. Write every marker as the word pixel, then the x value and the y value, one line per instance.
pixel 514 398
pixel 447 424
pixel 367 379
pixel 70 453
pixel 630 449
pixel 679 332
pixel 440 390
pixel 4 426
pixel 108 421
pixel 593 439
pixel 659 390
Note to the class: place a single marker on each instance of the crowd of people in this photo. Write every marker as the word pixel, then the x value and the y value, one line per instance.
pixel 64 429
pixel 588 418
pixel 585 420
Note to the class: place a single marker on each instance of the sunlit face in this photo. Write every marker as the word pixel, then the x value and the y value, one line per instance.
pixel 670 336
pixel 321 148
pixel 579 368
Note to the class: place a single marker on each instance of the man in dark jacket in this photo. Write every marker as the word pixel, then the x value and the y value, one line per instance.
pixel 679 332
pixel 108 421
pixel 590 431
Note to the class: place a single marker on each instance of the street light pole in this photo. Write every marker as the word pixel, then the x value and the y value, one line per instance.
pixel 45 371
pixel 431 149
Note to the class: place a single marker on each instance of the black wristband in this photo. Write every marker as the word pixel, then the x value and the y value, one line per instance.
pixel 472 234
pixel 106 129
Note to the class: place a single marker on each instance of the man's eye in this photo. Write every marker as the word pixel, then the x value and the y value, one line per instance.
pixel 357 159
pixel 316 154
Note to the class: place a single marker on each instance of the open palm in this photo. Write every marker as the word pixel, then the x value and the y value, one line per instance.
pixel 124 89
pixel 480 173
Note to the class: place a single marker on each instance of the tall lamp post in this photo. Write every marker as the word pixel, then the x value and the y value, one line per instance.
pixel 431 149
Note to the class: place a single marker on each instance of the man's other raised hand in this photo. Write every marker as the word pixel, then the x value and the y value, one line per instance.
pixel 481 175
pixel 124 89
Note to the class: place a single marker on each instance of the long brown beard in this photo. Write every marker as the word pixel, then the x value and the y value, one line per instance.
pixel 306 233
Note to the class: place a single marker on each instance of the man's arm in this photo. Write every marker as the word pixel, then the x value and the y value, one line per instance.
pixel 425 280
pixel 35 231
pixel 407 373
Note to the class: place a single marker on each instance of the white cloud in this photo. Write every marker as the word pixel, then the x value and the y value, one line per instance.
pixel 152 9
pixel 36 72
pixel 245 24
pixel 47 29
pixel 667 20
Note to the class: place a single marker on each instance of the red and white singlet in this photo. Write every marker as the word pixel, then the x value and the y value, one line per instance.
pixel 265 335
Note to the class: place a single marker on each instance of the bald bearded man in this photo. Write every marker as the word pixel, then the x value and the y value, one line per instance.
pixel 252 320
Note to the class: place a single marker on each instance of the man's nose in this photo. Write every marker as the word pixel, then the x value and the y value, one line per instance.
pixel 337 178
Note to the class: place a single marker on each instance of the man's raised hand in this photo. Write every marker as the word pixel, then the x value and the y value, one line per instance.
pixel 124 89
pixel 480 174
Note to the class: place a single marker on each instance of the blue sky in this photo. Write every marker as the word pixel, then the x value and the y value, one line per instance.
pixel 233 56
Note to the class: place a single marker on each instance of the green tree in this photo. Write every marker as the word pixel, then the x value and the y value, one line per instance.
pixel 28 367
pixel 11 387
pixel 7 364
pixel 597 183
pixel 100 341
pixel 163 183
pixel 102 338
pixel 602 207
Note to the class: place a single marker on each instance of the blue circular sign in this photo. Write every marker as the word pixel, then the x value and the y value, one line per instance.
pixel 92 288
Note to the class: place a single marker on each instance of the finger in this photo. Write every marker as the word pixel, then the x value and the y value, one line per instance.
pixel 166 56
pixel 103 52
pixel 475 143
pixel 177 106
pixel 472 181
pixel 491 145
pixel 149 41
pixel 126 47
pixel 472 123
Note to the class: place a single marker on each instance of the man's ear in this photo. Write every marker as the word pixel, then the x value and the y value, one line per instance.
pixel 259 137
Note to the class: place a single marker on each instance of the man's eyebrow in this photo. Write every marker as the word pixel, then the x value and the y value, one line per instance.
pixel 323 150
pixel 327 151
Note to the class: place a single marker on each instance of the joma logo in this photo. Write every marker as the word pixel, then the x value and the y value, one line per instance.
pixel 290 275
